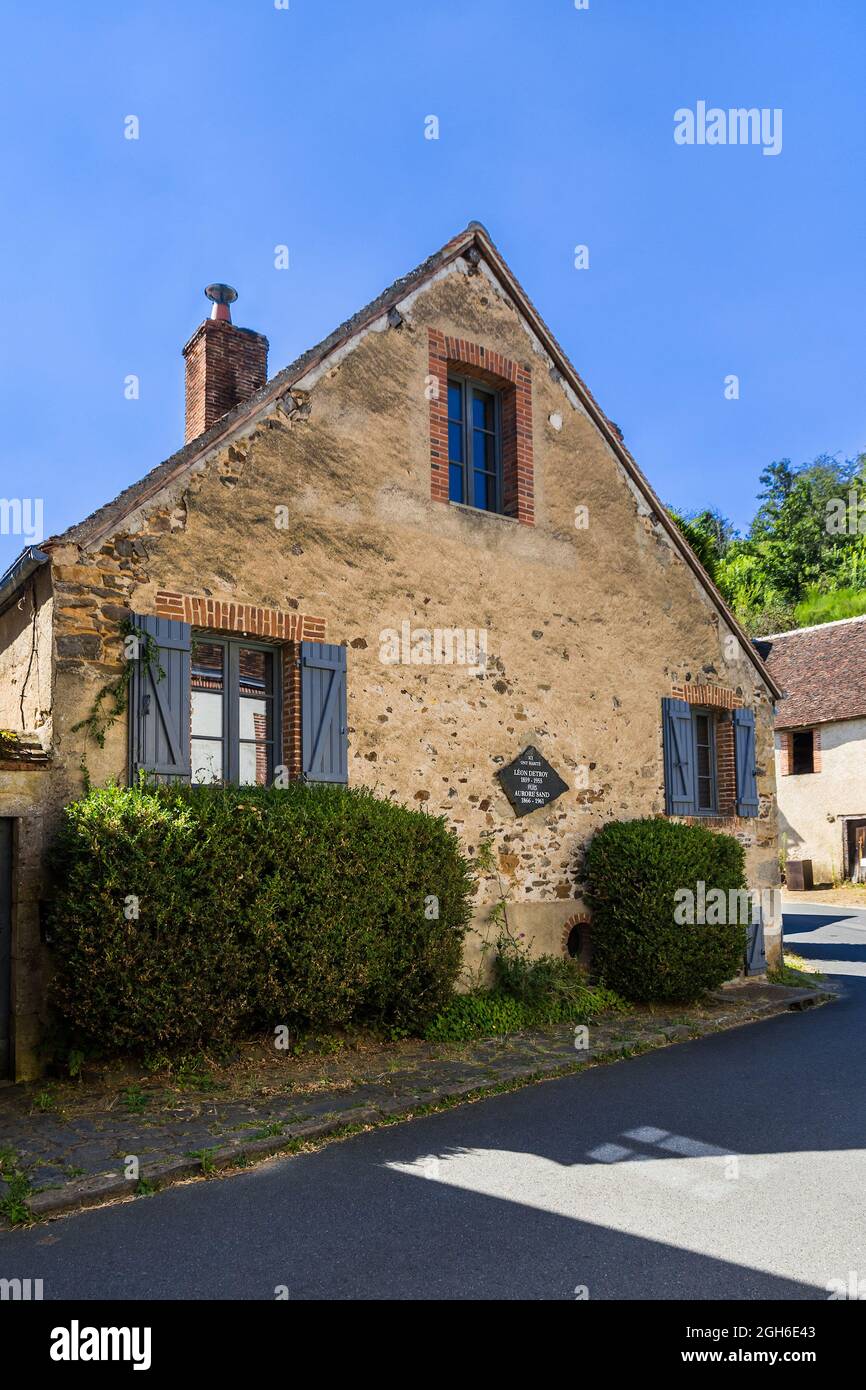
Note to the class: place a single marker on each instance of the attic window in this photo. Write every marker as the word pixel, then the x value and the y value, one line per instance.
pixel 474 445
pixel 480 428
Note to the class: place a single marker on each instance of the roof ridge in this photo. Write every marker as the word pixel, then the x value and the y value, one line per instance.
pixel 813 627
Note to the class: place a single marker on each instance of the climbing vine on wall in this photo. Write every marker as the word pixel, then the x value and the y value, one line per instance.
pixel 112 700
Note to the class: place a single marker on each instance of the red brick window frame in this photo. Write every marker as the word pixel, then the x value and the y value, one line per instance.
pixel 513 383
pixel 283 630
pixel 718 698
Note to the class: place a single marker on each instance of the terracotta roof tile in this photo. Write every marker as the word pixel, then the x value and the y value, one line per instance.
pixel 822 671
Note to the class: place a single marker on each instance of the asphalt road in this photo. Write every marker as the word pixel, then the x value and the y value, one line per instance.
pixel 730 1167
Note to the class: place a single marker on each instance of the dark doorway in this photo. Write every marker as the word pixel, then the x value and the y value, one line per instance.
pixel 5 946
pixel 855 867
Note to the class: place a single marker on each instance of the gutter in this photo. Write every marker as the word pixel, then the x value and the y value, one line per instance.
pixel 28 562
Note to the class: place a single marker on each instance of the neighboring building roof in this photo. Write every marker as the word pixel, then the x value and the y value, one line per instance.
pixel 473 244
pixel 21 751
pixel 30 560
pixel 822 671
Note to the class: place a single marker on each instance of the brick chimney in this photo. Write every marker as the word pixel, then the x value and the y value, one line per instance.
pixel 224 364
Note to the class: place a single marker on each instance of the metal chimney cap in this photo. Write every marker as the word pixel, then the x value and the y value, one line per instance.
pixel 222 296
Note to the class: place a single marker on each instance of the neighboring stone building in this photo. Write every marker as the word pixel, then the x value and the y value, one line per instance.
pixel 416 552
pixel 821 745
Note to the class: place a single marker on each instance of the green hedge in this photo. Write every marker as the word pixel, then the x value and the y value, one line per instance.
pixel 307 906
pixel 633 870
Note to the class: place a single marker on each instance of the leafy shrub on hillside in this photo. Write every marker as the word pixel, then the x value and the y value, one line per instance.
pixel 633 870
pixel 190 916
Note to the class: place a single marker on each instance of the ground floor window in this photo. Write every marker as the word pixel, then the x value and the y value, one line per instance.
pixel 710 765
pixel 803 751
pixel 234 718
pixel 704 733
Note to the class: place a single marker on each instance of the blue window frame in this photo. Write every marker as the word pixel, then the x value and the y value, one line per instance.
pixel 235 711
pixel 704 730
pixel 474 445
pixel 690 755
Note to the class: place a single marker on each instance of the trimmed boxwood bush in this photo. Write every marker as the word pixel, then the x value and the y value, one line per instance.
pixel 633 870
pixel 256 907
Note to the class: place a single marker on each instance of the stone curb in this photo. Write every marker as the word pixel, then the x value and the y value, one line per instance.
pixel 103 1187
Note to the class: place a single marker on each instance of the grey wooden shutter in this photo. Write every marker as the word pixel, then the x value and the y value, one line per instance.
pixel 756 959
pixel 324 731
pixel 680 773
pixel 159 706
pixel 744 750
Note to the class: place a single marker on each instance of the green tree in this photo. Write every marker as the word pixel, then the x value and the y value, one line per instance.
pixel 804 546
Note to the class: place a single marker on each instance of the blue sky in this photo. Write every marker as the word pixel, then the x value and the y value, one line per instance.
pixel 305 127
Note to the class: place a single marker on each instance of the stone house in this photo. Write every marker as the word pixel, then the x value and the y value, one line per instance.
pixel 417 552
pixel 821 745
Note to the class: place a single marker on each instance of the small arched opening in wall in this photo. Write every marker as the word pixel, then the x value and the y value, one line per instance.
pixel 576 941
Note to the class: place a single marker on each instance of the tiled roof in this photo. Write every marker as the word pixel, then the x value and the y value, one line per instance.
pixel 822 671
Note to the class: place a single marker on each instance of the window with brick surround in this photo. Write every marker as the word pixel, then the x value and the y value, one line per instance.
pixel 280 712
pixel 234 723
pixel 499 390
pixel 709 754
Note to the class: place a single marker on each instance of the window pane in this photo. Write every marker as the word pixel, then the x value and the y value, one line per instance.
pixel 483 451
pixel 207 760
pixel 703 760
pixel 485 491
pixel 253 769
pixel 254 719
pixel 704 754
pixel 482 410
pixel 455 443
pixel 455 401
pixel 455 482
pixel 254 671
pixel 207 666
pixel 207 713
